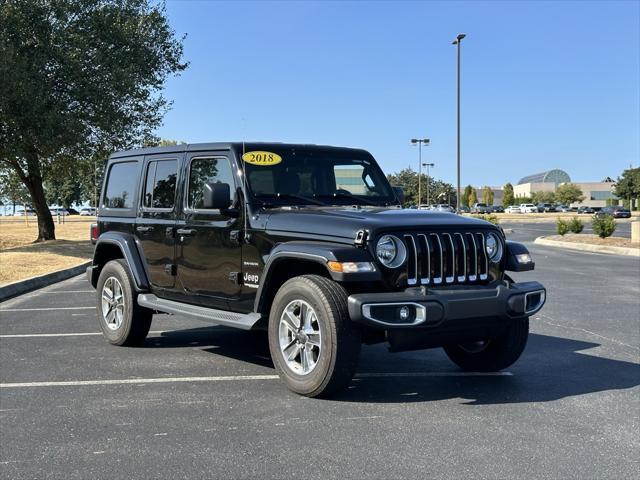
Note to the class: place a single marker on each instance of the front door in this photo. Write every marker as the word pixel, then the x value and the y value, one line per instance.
pixel 156 219
pixel 208 248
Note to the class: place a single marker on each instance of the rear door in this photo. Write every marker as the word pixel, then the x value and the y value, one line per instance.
pixel 156 220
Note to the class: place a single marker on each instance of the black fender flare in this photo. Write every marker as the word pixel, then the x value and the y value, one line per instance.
pixel 512 264
pixel 130 252
pixel 318 252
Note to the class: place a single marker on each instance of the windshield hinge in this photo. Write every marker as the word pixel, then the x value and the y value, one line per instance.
pixel 361 237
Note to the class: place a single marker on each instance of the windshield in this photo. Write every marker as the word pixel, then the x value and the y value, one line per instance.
pixel 315 176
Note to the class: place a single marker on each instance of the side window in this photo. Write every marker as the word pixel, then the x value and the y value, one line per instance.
pixel 121 184
pixel 160 184
pixel 207 170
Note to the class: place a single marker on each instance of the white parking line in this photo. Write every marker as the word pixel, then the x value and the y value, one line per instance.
pixel 44 309
pixel 234 378
pixel 82 334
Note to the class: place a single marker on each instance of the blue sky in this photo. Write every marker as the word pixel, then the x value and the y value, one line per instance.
pixel 544 84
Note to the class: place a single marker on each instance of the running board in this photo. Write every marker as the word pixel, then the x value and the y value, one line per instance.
pixel 218 317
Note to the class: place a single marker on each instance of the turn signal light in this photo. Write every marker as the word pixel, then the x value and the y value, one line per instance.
pixel 351 267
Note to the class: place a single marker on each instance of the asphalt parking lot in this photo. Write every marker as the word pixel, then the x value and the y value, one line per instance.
pixel 200 401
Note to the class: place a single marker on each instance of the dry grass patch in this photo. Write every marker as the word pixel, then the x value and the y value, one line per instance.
pixel 20 258
pixel 594 240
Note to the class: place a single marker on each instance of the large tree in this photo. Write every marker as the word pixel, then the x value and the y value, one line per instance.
pixel 628 185
pixel 464 201
pixel 79 78
pixel 407 178
pixel 487 195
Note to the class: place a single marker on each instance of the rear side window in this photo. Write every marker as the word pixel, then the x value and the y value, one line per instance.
pixel 160 184
pixel 121 185
pixel 207 170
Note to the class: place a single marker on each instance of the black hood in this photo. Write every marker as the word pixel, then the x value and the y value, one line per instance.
pixel 344 222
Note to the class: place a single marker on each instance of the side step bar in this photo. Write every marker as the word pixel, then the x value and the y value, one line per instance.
pixel 218 317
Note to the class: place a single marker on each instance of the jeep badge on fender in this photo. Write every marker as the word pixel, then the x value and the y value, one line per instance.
pixel 309 243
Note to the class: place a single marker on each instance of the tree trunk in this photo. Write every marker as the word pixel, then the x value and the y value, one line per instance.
pixel 46 227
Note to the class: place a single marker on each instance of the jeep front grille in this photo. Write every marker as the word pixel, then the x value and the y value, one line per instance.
pixel 446 258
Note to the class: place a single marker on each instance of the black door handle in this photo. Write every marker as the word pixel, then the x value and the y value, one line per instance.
pixel 144 229
pixel 185 231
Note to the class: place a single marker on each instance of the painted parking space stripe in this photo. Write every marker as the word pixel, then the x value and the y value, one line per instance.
pixel 73 334
pixel 235 378
pixel 44 309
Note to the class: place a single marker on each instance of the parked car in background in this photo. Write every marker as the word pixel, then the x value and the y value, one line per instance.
pixel 512 209
pixel 617 211
pixel 87 212
pixel 443 207
pixel 73 211
pixel 528 208
pixel 546 207
pixel 586 210
pixel 464 209
pixel 497 209
pixel 59 211
pixel 563 208
pixel 29 212
pixel 480 208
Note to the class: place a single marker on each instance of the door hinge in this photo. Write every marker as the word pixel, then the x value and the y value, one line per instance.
pixel 234 277
pixel 170 269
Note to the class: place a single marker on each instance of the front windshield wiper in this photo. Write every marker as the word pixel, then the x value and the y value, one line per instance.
pixel 289 195
pixel 349 196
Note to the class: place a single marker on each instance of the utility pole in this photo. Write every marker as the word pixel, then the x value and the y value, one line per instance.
pixel 419 142
pixel 458 42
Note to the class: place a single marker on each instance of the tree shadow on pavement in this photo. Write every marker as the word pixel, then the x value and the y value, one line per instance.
pixel 551 368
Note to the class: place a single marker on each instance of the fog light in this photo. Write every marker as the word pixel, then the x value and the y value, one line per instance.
pixel 405 313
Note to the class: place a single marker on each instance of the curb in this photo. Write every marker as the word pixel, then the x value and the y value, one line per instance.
pixel 23 286
pixel 587 247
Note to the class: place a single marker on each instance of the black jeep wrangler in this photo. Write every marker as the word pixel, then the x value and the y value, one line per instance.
pixel 309 243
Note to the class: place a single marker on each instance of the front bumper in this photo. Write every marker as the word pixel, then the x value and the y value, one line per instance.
pixel 445 308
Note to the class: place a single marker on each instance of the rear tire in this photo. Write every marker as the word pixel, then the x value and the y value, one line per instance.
pixel 121 319
pixel 314 345
pixel 493 354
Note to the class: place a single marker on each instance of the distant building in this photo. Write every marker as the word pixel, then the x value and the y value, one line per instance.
pixel 596 193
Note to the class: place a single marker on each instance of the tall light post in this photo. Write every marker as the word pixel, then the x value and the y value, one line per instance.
pixel 428 165
pixel 458 42
pixel 419 142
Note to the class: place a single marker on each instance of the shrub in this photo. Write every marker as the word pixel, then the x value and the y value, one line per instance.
pixel 489 218
pixel 576 225
pixel 604 225
pixel 562 226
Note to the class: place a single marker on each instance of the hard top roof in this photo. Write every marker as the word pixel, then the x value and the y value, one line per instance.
pixel 196 147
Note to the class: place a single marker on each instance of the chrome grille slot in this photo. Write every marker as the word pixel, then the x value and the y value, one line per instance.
pixel 447 257
pixel 412 260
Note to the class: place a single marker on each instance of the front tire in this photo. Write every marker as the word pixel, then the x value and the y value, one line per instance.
pixel 493 354
pixel 121 319
pixel 313 343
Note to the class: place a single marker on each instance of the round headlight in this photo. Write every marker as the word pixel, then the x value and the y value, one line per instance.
pixel 493 247
pixel 391 251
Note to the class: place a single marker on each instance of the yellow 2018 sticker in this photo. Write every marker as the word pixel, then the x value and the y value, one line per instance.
pixel 263 159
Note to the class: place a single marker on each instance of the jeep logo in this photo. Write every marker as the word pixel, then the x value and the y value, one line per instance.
pixel 250 278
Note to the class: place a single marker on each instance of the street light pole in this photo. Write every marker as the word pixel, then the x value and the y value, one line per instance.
pixel 428 165
pixel 458 42
pixel 420 141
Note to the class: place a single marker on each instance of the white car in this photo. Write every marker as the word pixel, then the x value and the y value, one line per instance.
pixel 528 208
pixel 512 209
pixel 58 211
pixel 21 213
pixel 87 212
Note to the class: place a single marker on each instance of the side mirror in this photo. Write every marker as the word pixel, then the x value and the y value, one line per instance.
pixel 399 193
pixel 217 196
